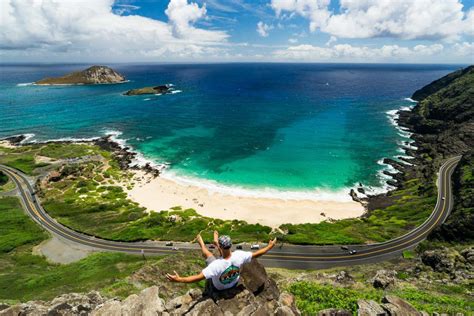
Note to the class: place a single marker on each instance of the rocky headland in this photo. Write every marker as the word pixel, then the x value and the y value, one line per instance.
pixel 91 75
pixel 162 89
pixel 442 126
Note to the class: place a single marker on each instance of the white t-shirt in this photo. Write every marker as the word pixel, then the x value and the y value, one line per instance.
pixel 225 273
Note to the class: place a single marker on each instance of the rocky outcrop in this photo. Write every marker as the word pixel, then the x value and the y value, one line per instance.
pixel 66 304
pixel 391 306
pixel 370 308
pixel 256 294
pixel 91 75
pixel 458 266
pixel 149 90
pixel 383 279
pixel 396 306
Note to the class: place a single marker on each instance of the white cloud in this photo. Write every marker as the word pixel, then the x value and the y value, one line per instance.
pixel 90 28
pixel 406 19
pixel 125 8
pixel 315 10
pixel 293 40
pixel 331 40
pixel 464 49
pixel 346 52
pixel 263 29
pixel 181 14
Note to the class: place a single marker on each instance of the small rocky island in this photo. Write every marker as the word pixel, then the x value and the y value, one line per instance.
pixel 149 90
pixel 91 75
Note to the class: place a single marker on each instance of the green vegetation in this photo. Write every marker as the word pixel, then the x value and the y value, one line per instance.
pixel 409 210
pixel 312 297
pixel 3 178
pixel 458 227
pixel 5 183
pixel 24 276
pixel 87 193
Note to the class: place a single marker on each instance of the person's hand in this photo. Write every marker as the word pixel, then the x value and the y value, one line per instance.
pixel 199 239
pixel 173 277
pixel 272 243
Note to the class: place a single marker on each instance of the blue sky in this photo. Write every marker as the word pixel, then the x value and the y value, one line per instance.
pixel 419 31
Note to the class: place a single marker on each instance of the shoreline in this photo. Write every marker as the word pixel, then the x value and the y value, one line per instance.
pixel 158 193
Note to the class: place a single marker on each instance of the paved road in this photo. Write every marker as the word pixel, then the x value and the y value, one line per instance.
pixel 287 256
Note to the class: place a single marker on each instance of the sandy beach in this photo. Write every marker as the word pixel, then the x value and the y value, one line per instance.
pixel 158 194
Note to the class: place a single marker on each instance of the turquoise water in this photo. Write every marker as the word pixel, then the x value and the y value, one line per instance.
pixel 288 127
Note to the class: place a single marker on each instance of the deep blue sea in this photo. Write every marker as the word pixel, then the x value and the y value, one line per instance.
pixel 314 128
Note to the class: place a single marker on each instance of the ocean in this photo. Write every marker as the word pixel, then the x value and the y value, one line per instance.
pixel 292 130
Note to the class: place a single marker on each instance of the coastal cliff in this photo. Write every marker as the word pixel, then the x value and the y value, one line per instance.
pixel 91 75
pixel 443 123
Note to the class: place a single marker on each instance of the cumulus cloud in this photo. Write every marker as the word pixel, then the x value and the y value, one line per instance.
pixel 91 28
pixel 406 19
pixel 348 52
pixel 315 10
pixel 263 29
pixel 464 49
pixel 331 40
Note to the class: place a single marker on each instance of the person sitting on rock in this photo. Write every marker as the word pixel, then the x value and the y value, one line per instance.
pixel 224 272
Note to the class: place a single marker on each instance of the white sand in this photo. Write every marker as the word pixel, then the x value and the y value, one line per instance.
pixel 159 194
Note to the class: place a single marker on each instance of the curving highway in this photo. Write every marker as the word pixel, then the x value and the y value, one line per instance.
pixel 286 256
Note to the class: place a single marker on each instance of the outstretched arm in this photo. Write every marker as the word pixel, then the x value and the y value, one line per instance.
pixel 189 279
pixel 263 251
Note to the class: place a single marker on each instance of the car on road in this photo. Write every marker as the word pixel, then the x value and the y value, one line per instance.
pixel 255 247
pixel 175 248
pixel 239 247
pixel 344 248
pixel 352 252
pixel 169 244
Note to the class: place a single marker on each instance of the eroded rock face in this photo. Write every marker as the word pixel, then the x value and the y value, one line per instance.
pixel 370 308
pixel 66 304
pixel 439 260
pixel 384 279
pixel 396 306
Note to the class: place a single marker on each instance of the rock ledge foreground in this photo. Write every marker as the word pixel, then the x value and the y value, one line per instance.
pixel 257 294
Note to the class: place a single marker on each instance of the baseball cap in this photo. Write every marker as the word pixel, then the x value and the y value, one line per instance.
pixel 225 242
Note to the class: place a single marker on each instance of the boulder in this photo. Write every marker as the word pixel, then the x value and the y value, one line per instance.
pixel 384 279
pixel 344 277
pixel 396 306
pixel 370 308
pixel 468 254
pixel 439 260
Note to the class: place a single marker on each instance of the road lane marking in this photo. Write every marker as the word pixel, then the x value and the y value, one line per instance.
pixel 445 168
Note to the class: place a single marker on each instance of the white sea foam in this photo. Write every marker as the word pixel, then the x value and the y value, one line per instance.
pixel 175 91
pixel 410 100
pixel 147 99
pixel 318 194
pixel 25 84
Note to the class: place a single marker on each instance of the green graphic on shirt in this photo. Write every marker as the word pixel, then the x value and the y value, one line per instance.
pixel 229 275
